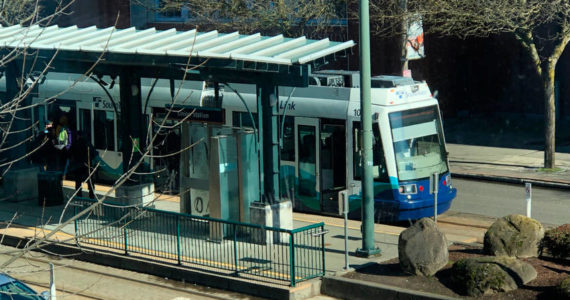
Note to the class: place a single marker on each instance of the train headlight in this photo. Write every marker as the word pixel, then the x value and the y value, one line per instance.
pixel 408 189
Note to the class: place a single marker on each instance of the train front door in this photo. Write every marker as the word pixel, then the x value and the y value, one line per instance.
pixel 307 164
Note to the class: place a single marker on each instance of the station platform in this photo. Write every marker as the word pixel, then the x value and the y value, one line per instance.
pixel 27 220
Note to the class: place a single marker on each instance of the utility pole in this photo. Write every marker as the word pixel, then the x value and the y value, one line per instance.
pixel 368 248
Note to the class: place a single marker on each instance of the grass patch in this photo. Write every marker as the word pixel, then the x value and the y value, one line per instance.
pixel 549 170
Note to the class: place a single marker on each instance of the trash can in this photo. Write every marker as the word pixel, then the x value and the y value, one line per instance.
pixel 50 190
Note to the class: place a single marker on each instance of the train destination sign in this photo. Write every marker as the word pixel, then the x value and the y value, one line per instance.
pixel 192 114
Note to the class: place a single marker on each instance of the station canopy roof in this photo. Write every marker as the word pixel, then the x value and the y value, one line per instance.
pixel 173 44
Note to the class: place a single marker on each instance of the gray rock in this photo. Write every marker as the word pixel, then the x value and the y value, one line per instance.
pixel 514 235
pixel 489 275
pixel 422 248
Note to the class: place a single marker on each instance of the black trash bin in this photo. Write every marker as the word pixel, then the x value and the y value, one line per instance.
pixel 50 191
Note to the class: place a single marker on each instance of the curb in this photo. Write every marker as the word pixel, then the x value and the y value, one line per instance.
pixel 345 288
pixel 303 290
pixel 512 180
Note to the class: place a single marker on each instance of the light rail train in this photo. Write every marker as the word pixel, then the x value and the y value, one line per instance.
pixel 320 136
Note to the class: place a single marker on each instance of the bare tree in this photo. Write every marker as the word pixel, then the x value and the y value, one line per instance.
pixel 17 12
pixel 541 27
pixel 17 132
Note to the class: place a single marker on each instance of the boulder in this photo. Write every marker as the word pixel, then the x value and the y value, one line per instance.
pixel 564 289
pixel 514 235
pixel 488 275
pixel 422 248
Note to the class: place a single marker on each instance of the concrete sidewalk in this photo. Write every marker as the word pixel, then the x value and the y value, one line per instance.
pixel 508 165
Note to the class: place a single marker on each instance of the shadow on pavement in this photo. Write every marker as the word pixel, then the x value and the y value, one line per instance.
pixel 504 130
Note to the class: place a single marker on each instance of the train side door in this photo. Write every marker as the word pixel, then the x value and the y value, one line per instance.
pixel 307 163
pixel 332 153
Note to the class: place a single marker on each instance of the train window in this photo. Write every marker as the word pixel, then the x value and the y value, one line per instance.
pixel 39 117
pixel 85 123
pixel 307 160
pixel 379 171
pixel 104 121
pixel 242 119
pixel 356 154
pixel 288 149
pixel 333 156
pixel 62 111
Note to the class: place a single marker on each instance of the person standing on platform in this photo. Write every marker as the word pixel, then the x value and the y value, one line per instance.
pixel 82 153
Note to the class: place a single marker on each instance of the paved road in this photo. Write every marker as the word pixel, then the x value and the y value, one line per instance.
pixel 80 280
pixel 549 206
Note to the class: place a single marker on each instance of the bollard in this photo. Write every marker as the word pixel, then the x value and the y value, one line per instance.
pixel 433 189
pixel 528 198
pixel 52 290
pixel 344 196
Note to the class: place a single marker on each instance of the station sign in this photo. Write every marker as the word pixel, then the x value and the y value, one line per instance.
pixel 192 114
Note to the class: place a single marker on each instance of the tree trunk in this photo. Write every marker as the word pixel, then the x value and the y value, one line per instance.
pixel 404 42
pixel 549 115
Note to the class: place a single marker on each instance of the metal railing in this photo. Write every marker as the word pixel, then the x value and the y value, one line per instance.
pixel 240 249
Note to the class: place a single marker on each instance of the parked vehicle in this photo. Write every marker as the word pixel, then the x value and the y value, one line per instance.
pixel 13 289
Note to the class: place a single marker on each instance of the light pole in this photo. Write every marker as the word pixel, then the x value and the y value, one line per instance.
pixel 368 247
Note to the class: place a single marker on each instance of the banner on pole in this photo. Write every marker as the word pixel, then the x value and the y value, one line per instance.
pixel 415 34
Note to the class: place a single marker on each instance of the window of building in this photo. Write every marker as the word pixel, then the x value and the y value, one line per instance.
pixel 170 11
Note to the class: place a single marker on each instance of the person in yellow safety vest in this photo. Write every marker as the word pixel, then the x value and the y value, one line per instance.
pixel 63 143
pixel 63 134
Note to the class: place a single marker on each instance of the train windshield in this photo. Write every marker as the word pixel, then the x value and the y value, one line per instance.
pixel 418 143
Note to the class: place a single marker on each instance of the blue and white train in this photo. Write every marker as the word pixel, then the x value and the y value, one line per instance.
pixel 321 140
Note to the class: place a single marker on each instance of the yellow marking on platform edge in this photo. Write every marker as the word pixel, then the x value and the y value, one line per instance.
pixel 36 231
pixel 121 246
pixel 159 254
pixel 171 256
